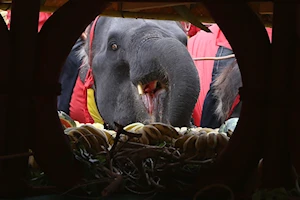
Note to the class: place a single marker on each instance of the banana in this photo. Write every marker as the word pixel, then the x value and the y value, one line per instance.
pixel 107 135
pixel 189 144
pixel 166 129
pixel 167 139
pixel 197 129
pixel 103 139
pixel 192 131
pixel 133 127
pixel 95 142
pixel 77 123
pixel 73 139
pixel 111 135
pixel 135 139
pixel 153 133
pixel 99 135
pixel 136 128
pixel 183 130
pixel 207 130
pixel 76 135
pixel 180 141
pixel 89 127
pixel 222 139
pixel 212 139
pixel 202 132
pixel 143 139
pixel 98 126
pixel 201 143
pixel 67 130
pixel 139 133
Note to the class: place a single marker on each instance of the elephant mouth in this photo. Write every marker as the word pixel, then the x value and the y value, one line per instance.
pixel 150 93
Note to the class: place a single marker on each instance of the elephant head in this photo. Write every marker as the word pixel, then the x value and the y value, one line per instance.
pixel 142 71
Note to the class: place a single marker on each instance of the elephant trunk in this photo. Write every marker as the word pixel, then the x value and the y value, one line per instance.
pixel 169 60
pixel 183 78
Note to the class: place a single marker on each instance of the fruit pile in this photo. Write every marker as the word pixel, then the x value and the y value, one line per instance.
pixel 205 142
pixel 140 158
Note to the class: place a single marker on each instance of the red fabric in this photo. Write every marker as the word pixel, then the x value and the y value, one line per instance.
pixel 235 103
pixel 92 39
pixel 205 44
pixel 193 30
pixel 42 18
pixel 189 28
pixel 78 104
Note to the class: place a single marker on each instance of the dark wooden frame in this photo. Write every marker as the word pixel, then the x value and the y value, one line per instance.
pixel 269 119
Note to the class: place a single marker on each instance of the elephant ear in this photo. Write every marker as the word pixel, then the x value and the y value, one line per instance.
pixel 83 71
pixel 83 56
pixel 226 87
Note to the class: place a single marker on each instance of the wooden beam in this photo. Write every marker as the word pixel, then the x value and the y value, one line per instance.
pixel 146 15
pixel 54 155
pixel 136 6
pixel 266 8
pixel 253 52
pixel 23 43
pixel 163 10
pixel 277 167
pixel 259 7
pixel 286 55
pixel 262 7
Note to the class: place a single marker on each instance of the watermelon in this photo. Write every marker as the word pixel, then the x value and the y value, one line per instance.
pixel 66 120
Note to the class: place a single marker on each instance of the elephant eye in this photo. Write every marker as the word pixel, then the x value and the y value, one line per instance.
pixel 114 46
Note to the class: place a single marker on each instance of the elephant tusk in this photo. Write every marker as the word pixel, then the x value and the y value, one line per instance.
pixel 140 89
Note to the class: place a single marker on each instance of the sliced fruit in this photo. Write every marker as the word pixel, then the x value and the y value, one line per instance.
pixel 66 120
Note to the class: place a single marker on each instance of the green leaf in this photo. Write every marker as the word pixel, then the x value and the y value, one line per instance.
pixel 162 144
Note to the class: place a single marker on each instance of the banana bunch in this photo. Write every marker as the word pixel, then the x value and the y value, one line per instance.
pixel 205 142
pixel 96 125
pixel 92 138
pixel 151 133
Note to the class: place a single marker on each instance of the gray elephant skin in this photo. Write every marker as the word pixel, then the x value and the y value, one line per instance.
pixel 142 71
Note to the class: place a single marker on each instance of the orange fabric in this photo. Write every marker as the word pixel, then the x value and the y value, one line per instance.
pixel 78 104
pixel 205 44
pixel 42 18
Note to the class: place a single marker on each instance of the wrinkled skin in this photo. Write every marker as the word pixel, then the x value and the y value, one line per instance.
pixel 128 52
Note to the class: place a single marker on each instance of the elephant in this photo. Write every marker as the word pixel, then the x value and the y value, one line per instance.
pixel 141 71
